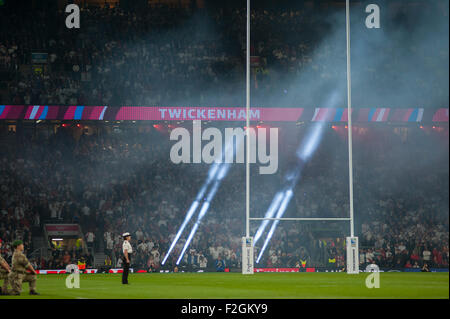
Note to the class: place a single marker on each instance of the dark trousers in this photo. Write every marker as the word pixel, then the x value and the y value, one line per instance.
pixel 126 269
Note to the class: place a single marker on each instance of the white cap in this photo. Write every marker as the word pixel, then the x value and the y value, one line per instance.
pixel 125 235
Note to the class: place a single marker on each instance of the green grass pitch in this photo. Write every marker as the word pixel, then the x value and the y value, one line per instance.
pixel 236 285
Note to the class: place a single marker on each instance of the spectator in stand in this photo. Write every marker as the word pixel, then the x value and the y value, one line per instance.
pixel 203 262
pixel 90 239
pixel 171 63
pixel 220 264
pixel 426 255
pixel 192 259
pixel 109 247
pixel 66 258
pixel 273 260
pixel 108 262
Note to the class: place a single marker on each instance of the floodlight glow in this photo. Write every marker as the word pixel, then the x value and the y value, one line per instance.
pixel 216 173
pixel 188 217
pixel 269 214
pixel 293 176
pixel 306 149
pixel 191 235
pixel 223 171
pixel 202 213
pixel 212 192
pixel 213 170
pixel 312 140
pixel 281 210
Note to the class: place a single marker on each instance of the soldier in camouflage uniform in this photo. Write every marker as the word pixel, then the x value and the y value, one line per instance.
pixel 19 274
pixel 4 272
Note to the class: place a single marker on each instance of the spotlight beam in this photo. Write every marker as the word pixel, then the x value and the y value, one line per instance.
pixel 287 198
pixel 216 171
pixel 304 152
pixel 220 171
pixel 188 217
pixel 269 214
pixel 202 213
pixel 211 175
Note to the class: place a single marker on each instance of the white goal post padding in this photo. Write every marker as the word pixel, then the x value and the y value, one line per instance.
pixel 352 255
pixel 247 256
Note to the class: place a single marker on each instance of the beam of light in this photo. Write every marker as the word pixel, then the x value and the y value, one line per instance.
pixel 310 142
pixel 269 214
pixel 202 213
pixel 304 152
pixel 291 179
pixel 212 174
pixel 287 198
pixel 188 217
pixel 221 174
pixel 217 172
pixel 191 235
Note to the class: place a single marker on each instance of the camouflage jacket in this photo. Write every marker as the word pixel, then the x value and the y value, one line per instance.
pixel 19 262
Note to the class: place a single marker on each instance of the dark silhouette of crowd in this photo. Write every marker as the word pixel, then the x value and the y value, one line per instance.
pixel 163 55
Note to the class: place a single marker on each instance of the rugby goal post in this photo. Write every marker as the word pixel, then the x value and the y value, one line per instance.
pixel 351 241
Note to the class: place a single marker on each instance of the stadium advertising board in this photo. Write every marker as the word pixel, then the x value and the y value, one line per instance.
pixel 257 270
pixel 39 57
pixel 62 229
pixel 181 113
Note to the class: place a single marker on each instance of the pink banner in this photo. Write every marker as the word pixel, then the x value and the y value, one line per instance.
pixel 283 270
pixel 69 115
pixel 238 114
pixel 62 229
pixel 441 115
pixel 86 271
pixel 207 113
pixel 276 269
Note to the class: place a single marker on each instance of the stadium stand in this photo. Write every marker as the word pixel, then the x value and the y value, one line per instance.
pixel 109 182
pixel 117 179
pixel 144 57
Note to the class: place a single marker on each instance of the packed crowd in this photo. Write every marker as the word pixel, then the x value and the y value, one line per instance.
pixel 121 181
pixel 115 182
pixel 163 55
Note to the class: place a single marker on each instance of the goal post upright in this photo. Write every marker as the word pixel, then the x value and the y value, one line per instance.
pixel 247 241
pixel 349 117
pixel 247 131
pixel 352 241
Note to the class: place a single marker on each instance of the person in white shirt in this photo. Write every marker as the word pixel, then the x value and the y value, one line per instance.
pixel 203 261
pixel 127 251
pixel 90 239
pixel 109 246
pixel 426 255
pixel 214 252
pixel 107 235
